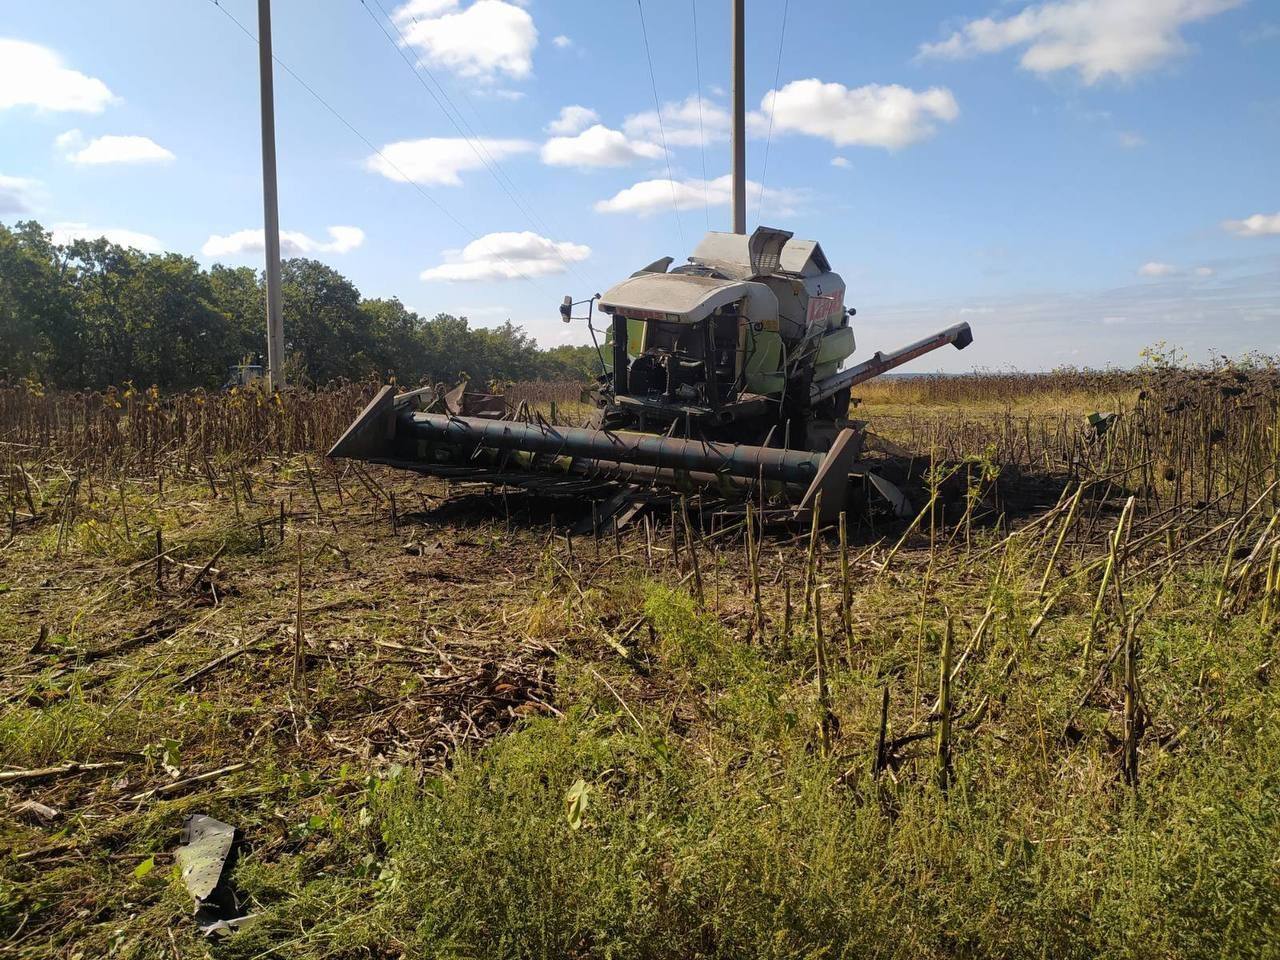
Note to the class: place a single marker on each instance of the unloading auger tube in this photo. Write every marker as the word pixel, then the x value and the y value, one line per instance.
pixel 391 430
pixel 959 336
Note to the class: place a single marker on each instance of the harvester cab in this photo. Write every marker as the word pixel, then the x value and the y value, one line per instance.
pixel 729 345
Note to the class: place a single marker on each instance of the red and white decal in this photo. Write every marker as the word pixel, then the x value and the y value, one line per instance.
pixel 820 308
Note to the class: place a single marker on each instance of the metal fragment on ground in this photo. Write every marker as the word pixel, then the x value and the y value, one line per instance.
pixel 895 497
pixel 207 845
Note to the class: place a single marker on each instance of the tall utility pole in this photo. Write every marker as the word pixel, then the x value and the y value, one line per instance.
pixel 270 210
pixel 739 122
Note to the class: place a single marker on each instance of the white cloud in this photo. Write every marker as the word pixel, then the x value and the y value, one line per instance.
pixel 65 233
pixel 562 42
pixel 1258 225
pixel 34 76
pixel 680 123
pixel 655 196
pixel 343 239
pixel 874 115
pixel 1238 311
pixel 573 119
pixel 482 41
pixel 15 195
pixel 1130 140
pixel 1097 38
pixel 439 160
pixel 597 146
pixel 111 149
pixel 425 9
pixel 497 310
pixel 841 162
pixel 1262 33
pixel 1155 268
pixel 292 243
pixel 507 256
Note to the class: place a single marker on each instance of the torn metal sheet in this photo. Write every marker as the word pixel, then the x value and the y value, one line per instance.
pixel 1102 422
pixel 895 497
pixel 34 812
pixel 207 844
pixel 620 508
pixel 203 858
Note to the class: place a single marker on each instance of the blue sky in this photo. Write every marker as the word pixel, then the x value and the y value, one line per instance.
pixel 1077 178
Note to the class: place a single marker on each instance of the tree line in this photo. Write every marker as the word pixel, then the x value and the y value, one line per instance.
pixel 92 313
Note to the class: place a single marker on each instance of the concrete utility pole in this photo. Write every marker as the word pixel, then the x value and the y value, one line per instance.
pixel 270 210
pixel 739 122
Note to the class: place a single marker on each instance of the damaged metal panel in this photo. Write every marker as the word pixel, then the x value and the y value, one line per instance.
pixel 203 859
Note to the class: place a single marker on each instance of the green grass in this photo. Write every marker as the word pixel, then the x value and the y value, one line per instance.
pixel 713 825
pixel 734 839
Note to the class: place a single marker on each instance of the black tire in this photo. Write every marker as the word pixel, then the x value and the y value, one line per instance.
pixel 835 407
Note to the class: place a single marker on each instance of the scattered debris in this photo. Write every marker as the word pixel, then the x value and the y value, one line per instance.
pixel 34 812
pixel 179 785
pixel 1102 422
pixel 203 859
pixel 897 500
pixel 66 769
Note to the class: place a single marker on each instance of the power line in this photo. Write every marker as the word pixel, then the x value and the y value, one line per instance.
pixel 773 103
pixel 369 143
pixel 702 142
pixel 473 140
pixel 675 207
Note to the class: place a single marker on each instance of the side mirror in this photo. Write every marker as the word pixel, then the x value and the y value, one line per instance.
pixel 566 308
pixel 852 311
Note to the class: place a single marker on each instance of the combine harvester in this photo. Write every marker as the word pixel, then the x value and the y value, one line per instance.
pixel 721 375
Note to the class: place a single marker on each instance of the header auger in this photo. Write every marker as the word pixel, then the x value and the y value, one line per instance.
pixel 720 375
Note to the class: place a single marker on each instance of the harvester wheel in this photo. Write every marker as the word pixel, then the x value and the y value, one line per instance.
pixel 835 407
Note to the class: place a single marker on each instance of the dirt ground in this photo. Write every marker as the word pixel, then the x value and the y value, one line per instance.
pixel 322 654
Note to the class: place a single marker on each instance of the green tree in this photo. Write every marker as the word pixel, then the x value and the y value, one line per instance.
pixel 325 329
pixel 450 349
pixel 92 313
pixel 100 273
pixel 241 296
pixel 38 328
pixel 180 338
pixel 569 362
pixel 398 347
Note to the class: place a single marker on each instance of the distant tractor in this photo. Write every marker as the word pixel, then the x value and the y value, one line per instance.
pixel 244 374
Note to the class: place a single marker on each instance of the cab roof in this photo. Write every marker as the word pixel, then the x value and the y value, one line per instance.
pixel 674 297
